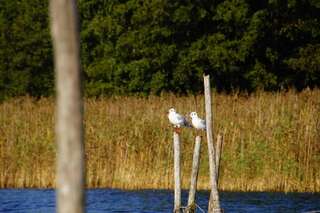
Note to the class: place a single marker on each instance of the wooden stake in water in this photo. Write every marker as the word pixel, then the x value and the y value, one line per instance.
pixel 194 175
pixel 69 127
pixel 177 173
pixel 218 155
pixel 214 201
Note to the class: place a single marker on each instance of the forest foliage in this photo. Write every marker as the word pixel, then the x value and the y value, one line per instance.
pixel 155 46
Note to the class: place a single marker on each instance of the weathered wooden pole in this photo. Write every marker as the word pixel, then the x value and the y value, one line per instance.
pixel 218 155
pixel 214 201
pixel 194 175
pixel 177 173
pixel 69 126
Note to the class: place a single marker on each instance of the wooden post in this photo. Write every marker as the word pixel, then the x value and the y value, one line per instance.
pixel 194 175
pixel 177 173
pixel 218 155
pixel 69 127
pixel 214 201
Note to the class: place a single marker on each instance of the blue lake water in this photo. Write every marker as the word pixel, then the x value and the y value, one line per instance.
pixel 156 201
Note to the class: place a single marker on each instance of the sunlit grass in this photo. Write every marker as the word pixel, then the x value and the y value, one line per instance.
pixel 272 142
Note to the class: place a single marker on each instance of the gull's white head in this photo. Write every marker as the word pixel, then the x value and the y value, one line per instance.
pixel 171 110
pixel 193 115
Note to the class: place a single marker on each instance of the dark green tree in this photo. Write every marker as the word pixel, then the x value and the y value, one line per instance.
pixel 25 49
pixel 154 46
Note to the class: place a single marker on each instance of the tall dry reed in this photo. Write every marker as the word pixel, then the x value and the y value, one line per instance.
pixel 272 142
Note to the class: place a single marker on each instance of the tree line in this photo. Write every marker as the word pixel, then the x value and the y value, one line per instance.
pixel 154 46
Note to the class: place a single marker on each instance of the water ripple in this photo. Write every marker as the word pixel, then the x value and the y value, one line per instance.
pixel 156 201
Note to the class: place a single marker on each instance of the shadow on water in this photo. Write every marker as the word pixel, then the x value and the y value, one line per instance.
pixel 156 201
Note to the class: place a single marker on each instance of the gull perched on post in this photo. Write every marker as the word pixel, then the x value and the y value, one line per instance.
pixel 176 119
pixel 197 122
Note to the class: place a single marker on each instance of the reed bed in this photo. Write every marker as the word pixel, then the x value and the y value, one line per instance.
pixel 272 142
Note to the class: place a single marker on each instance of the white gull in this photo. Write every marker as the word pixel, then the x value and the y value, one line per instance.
pixel 197 122
pixel 176 119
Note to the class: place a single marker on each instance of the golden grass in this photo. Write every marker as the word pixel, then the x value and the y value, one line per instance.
pixel 272 142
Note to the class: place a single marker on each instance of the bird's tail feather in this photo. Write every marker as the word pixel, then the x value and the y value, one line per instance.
pixel 187 124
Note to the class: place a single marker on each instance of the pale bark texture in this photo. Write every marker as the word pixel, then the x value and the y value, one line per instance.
pixel 214 201
pixel 69 126
pixel 194 175
pixel 177 172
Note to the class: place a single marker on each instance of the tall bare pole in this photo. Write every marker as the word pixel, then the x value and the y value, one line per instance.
pixel 177 173
pixel 69 126
pixel 214 201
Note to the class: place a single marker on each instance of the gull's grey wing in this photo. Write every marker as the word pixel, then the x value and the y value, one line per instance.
pixel 183 120
pixel 203 122
pixel 180 117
